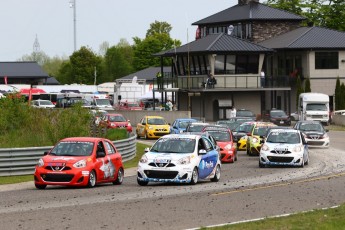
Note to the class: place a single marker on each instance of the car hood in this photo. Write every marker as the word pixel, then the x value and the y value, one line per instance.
pixel 313 133
pixel 119 122
pixel 158 157
pixel 63 159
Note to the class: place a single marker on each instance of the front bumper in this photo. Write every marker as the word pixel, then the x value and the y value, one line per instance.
pixel 268 158
pixel 155 174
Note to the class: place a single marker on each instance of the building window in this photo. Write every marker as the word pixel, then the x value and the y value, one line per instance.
pixel 326 60
pixel 247 64
pixel 219 65
pixel 230 64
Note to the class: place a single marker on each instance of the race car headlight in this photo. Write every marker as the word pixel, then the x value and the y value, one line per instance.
pixel 297 148
pixel 80 164
pixel 40 162
pixel 255 140
pixel 184 160
pixel 112 125
pixel 324 136
pixel 143 159
pixel 228 147
pixel 265 148
pixel 129 124
pixel 150 127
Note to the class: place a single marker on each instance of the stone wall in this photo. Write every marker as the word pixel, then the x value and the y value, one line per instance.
pixel 263 30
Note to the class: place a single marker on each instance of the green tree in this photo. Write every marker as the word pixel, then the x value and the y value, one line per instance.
pixel 65 72
pixel 342 96
pixel 118 61
pixel 157 39
pixel 158 28
pixel 299 88
pixel 337 96
pixel 40 57
pixel 322 13
pixel 307 87
pixel 84 63
pixel 53 65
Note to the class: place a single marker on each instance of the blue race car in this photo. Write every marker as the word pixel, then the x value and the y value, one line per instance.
pixel 179 125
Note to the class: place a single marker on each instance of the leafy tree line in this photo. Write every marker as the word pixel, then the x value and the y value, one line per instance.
pixel 323 13
pixel 111 63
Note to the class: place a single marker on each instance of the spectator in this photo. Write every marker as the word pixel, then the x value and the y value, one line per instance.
pixel 262 78
pixel 169 105
pixel 211 81
pixel 233 112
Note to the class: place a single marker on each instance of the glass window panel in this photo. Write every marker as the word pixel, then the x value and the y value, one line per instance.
pixel 230 64
pixel 219 64
pixel 326 60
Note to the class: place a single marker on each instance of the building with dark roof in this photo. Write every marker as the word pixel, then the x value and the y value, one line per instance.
pixel 22 73
pixel 237 44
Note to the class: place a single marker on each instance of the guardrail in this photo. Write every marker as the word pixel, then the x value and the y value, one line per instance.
pixel 22 161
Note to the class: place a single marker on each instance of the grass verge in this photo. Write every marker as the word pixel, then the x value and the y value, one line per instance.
pixel 332 218
pixel 26 178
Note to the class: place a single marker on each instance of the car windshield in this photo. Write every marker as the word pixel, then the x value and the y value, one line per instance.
pixel 311 127
pixel 221 136
pixel 183 124
pixel 156 121
pixel 231 124
pixel 260 131
pixel 316 107
pixel 103 102
pixel 278 113
pixel 244 113
pixel 117 119
pixel 244 128
pixel 195 128
pixel 174 145
pixel 283 137
pixel 46 103
pixel 72 148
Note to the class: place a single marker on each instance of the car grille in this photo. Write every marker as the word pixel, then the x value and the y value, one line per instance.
pixel 161 165
pixel 159 134
pixel 57 177
pixel 160 174
pixel 313 137
pixel 57 168
pixel 317 116
pixel 280 159
pixel 319 143
pixel 161 130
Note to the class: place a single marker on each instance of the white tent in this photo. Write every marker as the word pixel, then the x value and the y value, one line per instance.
pixel 149 95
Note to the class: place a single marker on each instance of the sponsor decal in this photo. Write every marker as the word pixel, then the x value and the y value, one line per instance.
pixel 63 158
pixel 85 173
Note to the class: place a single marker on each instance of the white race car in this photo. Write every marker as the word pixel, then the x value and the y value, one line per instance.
pixel 180 158
pixel 284 147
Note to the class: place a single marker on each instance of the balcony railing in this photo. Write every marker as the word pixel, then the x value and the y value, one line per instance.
pixel 236 81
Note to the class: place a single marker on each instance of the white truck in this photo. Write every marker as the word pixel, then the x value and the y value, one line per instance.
pixel 314 106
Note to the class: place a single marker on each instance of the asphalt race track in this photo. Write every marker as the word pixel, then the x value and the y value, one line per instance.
pixel 244 192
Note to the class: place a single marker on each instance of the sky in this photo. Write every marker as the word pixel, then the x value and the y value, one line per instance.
pixel 97 21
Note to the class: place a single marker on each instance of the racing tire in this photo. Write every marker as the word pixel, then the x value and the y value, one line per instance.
pixel 248 152
pixel 216 177
pixel 120 176
pixel 261 165
pixel 40 186
pixel 195 176
pixel 142 183
pixel 92 179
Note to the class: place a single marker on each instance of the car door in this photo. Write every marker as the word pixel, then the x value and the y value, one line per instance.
pixel 209 160
pixel 104 166
pixel 306 149
pixel 114 159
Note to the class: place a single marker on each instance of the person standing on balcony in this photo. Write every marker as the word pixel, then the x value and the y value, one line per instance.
pixel 262 78
pixel 159 80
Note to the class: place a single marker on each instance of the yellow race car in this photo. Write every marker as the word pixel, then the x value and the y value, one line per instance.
pixel 152 127
pixel 256 137
pixel 240 134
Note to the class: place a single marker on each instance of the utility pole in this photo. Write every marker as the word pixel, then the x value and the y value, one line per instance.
pixel 72 4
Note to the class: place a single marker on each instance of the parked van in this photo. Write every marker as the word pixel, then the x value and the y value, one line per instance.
pixel 314 106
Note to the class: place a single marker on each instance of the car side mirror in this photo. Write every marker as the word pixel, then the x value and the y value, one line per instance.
pixel 146 150
pixel 45 153
pixel 202 152
pixel 100 154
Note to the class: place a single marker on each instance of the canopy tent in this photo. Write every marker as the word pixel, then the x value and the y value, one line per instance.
pixel 26 91
pixel 149 95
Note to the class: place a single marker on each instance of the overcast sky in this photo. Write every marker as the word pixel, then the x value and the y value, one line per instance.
pixel 97 21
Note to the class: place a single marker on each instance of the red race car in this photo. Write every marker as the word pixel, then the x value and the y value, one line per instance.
pixel 225 141
pixel 113 121
pixel 80 161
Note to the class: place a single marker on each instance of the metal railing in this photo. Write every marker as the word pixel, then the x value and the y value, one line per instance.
pixel 224 81
pixel 22 161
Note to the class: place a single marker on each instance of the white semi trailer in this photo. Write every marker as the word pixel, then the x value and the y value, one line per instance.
pixel 314 106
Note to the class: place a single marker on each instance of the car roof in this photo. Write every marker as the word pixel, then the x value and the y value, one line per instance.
pixel 154 117
pixel 181 136
pixel 90 139
pixel 285 130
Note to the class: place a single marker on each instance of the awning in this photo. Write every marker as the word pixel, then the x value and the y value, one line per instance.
pixel 224 103
pixel 33 91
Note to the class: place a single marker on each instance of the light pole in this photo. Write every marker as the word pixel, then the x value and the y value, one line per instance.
pixel 72 4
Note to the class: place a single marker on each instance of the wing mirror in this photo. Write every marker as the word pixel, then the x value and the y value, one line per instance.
pixel 146 150
pixel 100 154
pixel 202 152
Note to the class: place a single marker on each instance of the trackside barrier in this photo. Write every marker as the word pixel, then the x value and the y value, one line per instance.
pixel 22 161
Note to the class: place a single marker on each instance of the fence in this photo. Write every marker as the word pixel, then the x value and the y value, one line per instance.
pixel 22 161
